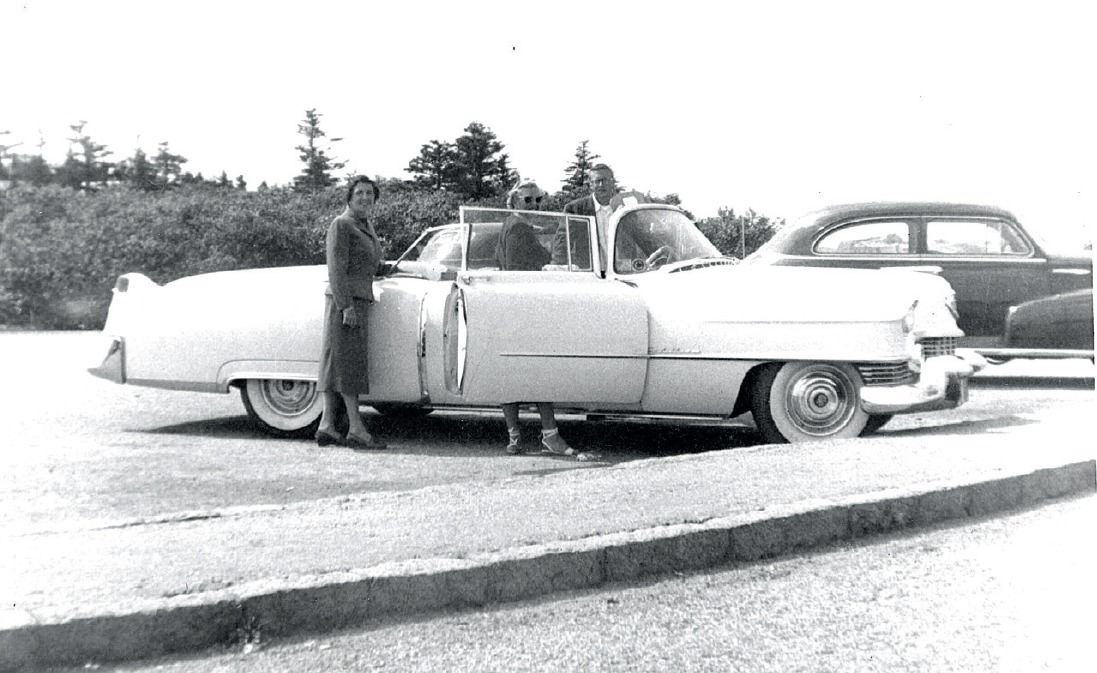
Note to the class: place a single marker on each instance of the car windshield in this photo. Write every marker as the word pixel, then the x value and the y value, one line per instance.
pixel 650 238
pixel 441 247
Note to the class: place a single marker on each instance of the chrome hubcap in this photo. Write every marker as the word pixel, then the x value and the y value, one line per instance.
pixel 288 398
pixel 821 401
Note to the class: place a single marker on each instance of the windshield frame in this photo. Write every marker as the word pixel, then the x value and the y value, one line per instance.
pixel 569 218
pixel 613 227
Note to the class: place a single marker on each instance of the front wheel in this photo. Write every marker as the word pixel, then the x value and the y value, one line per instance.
pixel 805 401
pixel 283 407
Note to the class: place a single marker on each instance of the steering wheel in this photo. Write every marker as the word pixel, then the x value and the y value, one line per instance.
pixel 664 254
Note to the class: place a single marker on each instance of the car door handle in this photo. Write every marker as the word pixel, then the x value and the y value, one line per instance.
pixel 469 279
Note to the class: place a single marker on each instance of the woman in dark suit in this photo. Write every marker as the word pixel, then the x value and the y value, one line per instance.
pixel 354 258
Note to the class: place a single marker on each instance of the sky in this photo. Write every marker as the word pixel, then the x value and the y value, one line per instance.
pixel 782 107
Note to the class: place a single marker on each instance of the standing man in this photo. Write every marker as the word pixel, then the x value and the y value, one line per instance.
pixel 597 203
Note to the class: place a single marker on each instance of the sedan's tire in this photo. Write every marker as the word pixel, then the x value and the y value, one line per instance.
pixel 401 412
pixel 875 422
pixel 283 407
pixel 805 401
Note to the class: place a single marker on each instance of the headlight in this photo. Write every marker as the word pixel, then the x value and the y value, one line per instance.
pixel 950 302
pixel 908 319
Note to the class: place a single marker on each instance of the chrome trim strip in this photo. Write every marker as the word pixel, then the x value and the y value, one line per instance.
pixel 192 386
pixel 692 356
pixel 1034 353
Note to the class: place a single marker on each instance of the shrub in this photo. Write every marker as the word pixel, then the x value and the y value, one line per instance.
pixel 61 250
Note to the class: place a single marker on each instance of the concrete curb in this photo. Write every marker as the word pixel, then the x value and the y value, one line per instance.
pixel 272 609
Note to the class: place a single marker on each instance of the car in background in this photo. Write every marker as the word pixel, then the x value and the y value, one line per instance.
pixel 648 331
pixel 992 262
pixel 1062 321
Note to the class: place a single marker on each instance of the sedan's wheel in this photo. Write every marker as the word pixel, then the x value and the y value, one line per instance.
pixel 283 407
pixel 804 401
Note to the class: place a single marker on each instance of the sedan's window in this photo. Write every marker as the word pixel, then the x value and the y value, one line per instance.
pixel 973 237
pixel 880 237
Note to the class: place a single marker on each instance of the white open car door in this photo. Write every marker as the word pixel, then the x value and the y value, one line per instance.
pixel 558 332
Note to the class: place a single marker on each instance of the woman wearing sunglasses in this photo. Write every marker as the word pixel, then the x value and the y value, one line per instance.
pixel 519 250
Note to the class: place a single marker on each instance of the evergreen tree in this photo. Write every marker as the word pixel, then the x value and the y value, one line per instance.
pixel 88 156
pixel 506 176
pixel 223 181
pixel 576 180
pixel 168 166
pixel 318 165
pixel 241 183
pixel 435 167
pixel 30 169
pixel 137 171
pixel 5 173
pixel 71 172
pixel 479 171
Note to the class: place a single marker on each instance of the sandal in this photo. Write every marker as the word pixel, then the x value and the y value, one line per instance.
pixel 556 445
pixel 514 447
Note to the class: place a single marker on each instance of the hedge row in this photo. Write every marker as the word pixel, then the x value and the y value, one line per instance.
pixel 61 250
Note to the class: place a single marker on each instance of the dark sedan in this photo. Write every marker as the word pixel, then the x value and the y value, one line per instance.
pixel 990 260
pixel 1059 321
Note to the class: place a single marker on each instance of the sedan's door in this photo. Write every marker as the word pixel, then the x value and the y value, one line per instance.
pixel 990 264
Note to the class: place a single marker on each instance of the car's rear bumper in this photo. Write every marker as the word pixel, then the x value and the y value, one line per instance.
pixel 941 385
pixel 113 366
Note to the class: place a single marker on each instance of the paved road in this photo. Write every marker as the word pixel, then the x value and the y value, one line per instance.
pixel 77 447
pixel 1008 594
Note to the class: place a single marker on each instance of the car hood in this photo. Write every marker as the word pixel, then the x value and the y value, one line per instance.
pixel 790 294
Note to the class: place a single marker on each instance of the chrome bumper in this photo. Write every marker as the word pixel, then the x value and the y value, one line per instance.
pixel 113 366
pixel 941 385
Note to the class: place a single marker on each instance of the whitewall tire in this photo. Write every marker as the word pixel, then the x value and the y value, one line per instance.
pixel 806 401
pixel 283 407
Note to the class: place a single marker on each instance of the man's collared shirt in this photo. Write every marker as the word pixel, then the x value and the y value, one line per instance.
pixel 601 219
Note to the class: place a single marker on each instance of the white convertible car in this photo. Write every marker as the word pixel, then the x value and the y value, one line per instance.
pixel 664 326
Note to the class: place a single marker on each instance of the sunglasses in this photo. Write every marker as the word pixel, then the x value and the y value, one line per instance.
pixel 531 199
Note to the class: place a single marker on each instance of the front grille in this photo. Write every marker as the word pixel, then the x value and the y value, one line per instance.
pixel 886 373
pixel 933 346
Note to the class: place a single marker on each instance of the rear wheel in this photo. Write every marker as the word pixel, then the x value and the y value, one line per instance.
pixel 283 407
pixel 804 401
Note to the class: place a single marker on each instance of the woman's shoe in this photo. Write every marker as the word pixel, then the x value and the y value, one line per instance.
pixel 364 443
pixel 514 447
pixel 556 445
pixel 327 438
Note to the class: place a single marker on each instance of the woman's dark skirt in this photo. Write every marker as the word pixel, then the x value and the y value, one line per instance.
pixel 344 351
